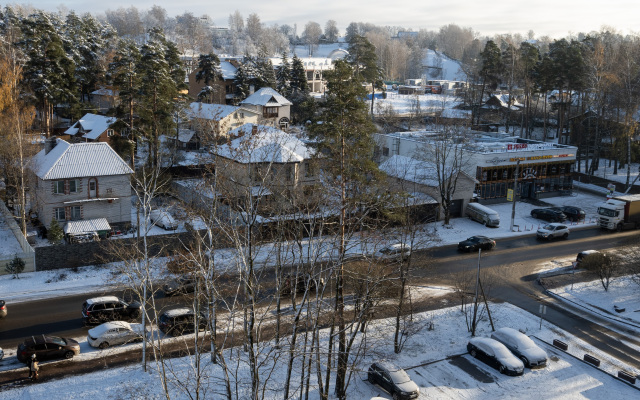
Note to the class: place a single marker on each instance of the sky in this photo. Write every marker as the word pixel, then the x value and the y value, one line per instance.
pixel 487 17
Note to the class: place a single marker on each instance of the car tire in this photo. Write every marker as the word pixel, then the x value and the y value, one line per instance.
pixel 501 369
pixel 534 215
pixel 396 397
pixel 103 345
pixel 566 235
pixel 524 361
pixel 473 353
pixel 68 355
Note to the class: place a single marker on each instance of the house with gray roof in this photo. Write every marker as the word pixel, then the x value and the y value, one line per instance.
pixel 81 182
pixel 273 107
pixel 209 121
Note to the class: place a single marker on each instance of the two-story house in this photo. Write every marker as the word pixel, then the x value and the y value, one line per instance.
pixel 210 121
pixel 224 91
pixel 81 181
pixel 94 128
pixel 274 108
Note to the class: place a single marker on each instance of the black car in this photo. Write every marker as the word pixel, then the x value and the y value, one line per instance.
pixel 181 285
pixel 477 242
pixel 3 309
pixel 549 214
pixel 47 347
pixel 109 308
pixel 574 214
pixel 393 379
pixel 179 321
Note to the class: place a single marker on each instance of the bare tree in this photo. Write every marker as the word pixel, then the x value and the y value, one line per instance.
pixel 311 36
pixel 331 31
pixel 604 265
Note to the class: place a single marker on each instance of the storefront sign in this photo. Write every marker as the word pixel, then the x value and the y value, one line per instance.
pixel 527 146
pixel 509 194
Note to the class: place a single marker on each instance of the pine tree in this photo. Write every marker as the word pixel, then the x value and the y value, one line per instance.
pixel 362 56
pixel 266 76
pixel 208 72
pixel 15 266
pixel 298 76
pixel 55 233
pixel 491 70
pixel 283 76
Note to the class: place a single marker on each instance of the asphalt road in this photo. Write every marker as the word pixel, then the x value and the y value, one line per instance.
pixel 514 257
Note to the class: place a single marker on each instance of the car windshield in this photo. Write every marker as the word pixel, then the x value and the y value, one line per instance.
pixel 525 343
pixel 607 213
pixel 57 340
pixel 502 352
pixel 399 376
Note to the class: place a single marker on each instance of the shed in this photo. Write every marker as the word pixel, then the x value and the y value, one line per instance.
pixel 98 225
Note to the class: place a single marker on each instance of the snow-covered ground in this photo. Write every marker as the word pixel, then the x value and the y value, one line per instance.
pixel 606 171
pixel 435 359
pixel 623 293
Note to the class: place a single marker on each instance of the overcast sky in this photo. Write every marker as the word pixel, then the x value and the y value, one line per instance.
pixel 556 18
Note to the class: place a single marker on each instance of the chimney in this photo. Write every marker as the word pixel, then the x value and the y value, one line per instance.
pixel 49 144
pixel 252 89
pixel 254 129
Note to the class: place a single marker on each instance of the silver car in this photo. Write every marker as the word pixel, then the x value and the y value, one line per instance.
pixel 115 333
pixel 521 346
pixel 554 230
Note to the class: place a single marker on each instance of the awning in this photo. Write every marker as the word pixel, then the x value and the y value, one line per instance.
pixel 87 225
pixel 91 200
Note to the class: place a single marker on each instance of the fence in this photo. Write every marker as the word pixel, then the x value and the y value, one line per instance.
pixel 28 255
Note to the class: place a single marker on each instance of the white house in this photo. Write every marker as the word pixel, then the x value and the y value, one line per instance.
pixel 274 108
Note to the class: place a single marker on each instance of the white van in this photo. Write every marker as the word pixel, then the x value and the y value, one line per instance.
pixel 483 214
pixel 163 219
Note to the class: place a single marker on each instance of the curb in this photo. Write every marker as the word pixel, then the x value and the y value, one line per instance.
pixel 586 363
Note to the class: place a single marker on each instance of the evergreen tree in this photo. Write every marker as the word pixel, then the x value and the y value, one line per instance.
pixel 55 233
pixel 298 76
pixel 48 71
pixel 492 68
pixel 266 76
pixel 345 138
pixel 123 75
pixel 283 76
pixel 362 56
pixel 15 266
pixel 208 72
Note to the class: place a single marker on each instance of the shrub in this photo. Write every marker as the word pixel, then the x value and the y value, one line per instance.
pixel 55 233
pixel 15 266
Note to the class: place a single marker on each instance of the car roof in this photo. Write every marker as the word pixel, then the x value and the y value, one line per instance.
pixel 102 328
pixel 102 299
pixel 175 312
pixel 38 339
pixel 587 252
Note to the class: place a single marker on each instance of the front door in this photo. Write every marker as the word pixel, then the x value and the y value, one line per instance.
pixel 92 188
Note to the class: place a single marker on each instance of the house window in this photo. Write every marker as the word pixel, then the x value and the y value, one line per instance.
pixel 58 187
pixel 74 185
pixel 109 132
pixel 270 112
pixel 385 151
pixel 76 213
pixel 288 171
pixel 60 214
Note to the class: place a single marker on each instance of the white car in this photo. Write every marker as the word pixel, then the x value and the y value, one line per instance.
pixel 394 251
pixel 163 219
pixel 115 333
pixel 554 230
pixel 495 354
pixel 521 346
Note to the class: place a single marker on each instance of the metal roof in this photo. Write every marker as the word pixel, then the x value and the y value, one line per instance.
pixel 87 225
pixel 266 96
pixel 67 160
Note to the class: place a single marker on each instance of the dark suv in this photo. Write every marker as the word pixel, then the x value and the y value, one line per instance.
pixel 109 308
pixel 549 214
pixel 180 321
pixel 47 347
pixel 393 379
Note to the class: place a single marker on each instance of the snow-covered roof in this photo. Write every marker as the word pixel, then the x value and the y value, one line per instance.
pixel 102 328
pixel 503 101
pixel 267 96
pixel 104 92
pixel 214 112
pixel 76 160
pixel 87 225
pixel 267 144
pixel 92 125
pixel 185 136
pixel 411 170
pixel 228 70
pixel 178 311
pixel 102 299
pixel 313 63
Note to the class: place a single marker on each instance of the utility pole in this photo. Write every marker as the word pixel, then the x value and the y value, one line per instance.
pixel 475 301
pixel 515 186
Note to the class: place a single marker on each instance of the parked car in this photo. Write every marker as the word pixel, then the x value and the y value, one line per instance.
pixel 495 354
pixel 394 252
pixel 179 321
pixel 47 348
pixel 1 354
pixel 301 285
pixel 548 214
pixel 163 219
pixel 109 308
pixel 585 254
pixel 181 285
pixel 574 213
pixel 477 242
pixel 393 379
pixel 3 309
pixel 115 333
pixel 521 346
pixel 552 231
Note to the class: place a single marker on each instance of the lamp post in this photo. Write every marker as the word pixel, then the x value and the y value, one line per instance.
pixel 515 186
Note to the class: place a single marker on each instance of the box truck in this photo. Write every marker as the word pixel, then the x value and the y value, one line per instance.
pixel 621 212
